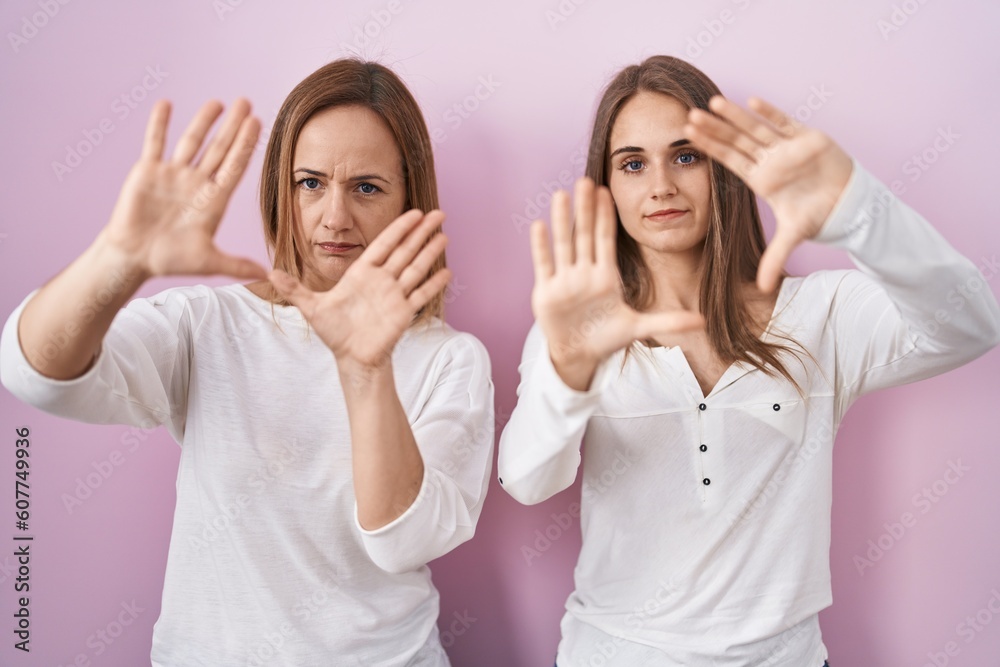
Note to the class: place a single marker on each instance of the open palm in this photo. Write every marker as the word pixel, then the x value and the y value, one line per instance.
pixel 169 210
pixel 799 171
pixel 363 316
pixel 578 299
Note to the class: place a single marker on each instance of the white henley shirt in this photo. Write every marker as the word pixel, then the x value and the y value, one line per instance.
pixel 706 519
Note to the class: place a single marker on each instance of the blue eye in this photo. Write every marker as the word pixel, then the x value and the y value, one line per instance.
pixel 631 166
pixel 309 183
pixel 368 188
pixel 694 158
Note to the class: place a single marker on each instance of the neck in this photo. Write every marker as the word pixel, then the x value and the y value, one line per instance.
pixel 676 279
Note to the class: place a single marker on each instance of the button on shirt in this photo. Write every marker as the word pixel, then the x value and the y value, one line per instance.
pixel 710 545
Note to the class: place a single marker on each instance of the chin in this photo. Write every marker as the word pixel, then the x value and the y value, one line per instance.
pixel 671 242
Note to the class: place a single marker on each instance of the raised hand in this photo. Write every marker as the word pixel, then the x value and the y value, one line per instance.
pixel 578 299
pixel 799 171
pixel 363 316
pixel 168 210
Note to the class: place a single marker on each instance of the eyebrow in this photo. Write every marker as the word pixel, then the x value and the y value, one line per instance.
pixel 361 177
pixel 637 149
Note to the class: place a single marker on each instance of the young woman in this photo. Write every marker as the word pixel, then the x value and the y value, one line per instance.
pixel 335 434
pixel 706 384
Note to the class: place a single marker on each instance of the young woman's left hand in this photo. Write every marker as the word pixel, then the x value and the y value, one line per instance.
pixel 363 316
pixel 799 171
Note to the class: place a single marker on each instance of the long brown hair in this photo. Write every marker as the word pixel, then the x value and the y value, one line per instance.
pixel 735 240
pixel 344 82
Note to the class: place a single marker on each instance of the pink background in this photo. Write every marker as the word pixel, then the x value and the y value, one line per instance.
pixel 887 97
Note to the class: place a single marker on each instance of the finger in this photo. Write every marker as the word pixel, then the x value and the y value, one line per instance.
pixel 294 291
pixel 541 254
pixel 650 325
pixel 421 296
pixel 156 131
pixel 726 133
pixel 403 254
pixel 733 159
pixel 237 267
pixel 772 262
pixel 228 175
pixel 562 236
pixel 760 129
pixel 583 228
pixel 784 123
pixel 421 265
pixel 195 133
pixel 606 230
pixel 223 139
pixel 379 249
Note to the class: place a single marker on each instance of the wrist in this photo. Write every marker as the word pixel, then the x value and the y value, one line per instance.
pixel 576 370
pixel 116 260
pixel 357 375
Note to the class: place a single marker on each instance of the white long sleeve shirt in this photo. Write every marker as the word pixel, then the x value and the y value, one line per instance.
pixel 267 563
pixel 706 519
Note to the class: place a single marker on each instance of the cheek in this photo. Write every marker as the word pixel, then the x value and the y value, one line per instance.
pixel 374 218
pixel 626 196
pixel 308 211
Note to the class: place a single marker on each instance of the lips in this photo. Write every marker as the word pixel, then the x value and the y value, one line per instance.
pixel 338 248
pixel 666 214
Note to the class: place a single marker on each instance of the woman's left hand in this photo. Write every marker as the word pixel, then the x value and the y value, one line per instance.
pixel 799 171
pixel 363 316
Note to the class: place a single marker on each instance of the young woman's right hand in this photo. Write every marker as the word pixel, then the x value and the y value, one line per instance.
pixel 168 210
pixel 578 298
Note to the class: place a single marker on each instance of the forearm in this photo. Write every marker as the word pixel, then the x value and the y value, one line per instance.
pixel 540 445
pixel 61 328
pixel 938 291
pixel 387 465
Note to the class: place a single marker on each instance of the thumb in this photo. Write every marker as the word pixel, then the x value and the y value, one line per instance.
pixel 294 291
pixel 649 325
pixel 237 267
pixel 772 262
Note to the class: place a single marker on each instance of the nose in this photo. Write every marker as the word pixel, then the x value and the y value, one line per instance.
pixel 336 212
pixel 663 182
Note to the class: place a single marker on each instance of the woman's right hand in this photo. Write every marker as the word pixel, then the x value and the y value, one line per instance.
pixel 168 210
pixel 578 299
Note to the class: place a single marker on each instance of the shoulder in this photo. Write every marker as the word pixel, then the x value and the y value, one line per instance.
pixel 439 343
pixel 178 295
pixel 824 295
pixel 205 305
pixel 824 285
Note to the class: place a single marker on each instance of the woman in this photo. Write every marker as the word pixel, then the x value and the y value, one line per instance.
pixel 707 402
pixel 335 434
